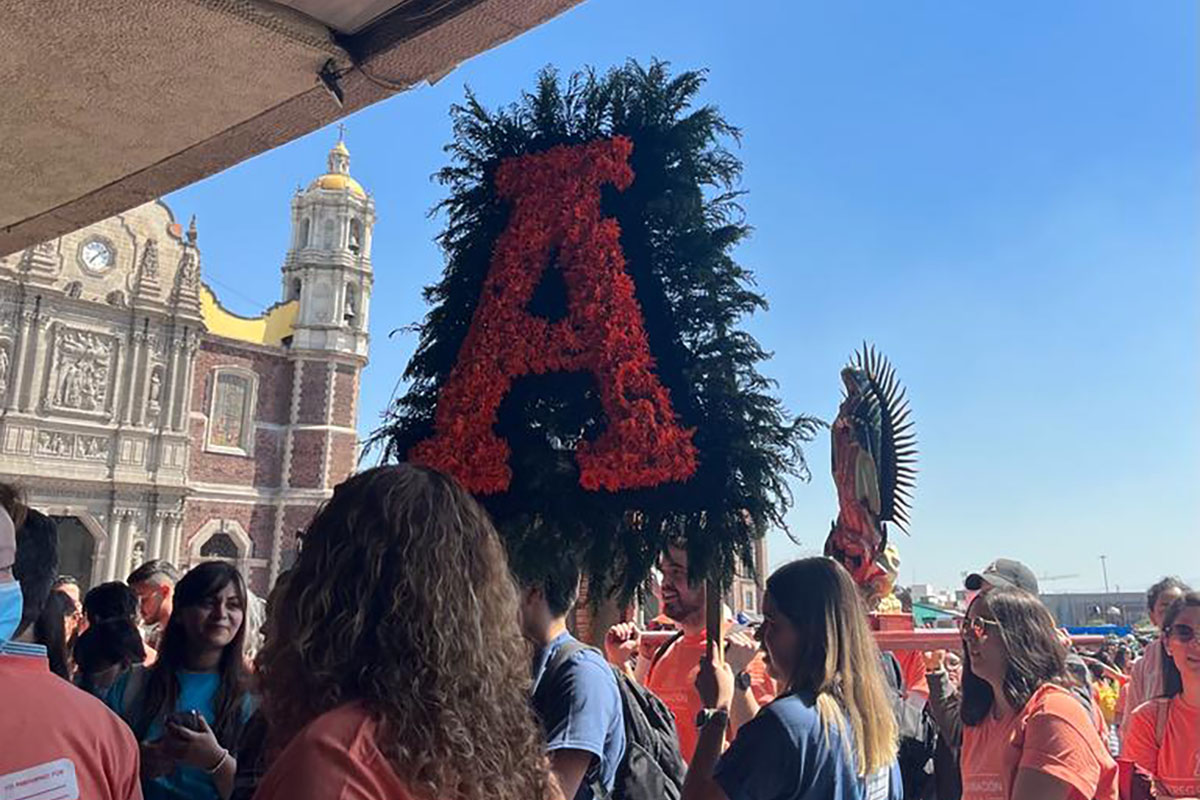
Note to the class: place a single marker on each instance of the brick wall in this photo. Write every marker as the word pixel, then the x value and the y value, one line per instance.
pixel 314 388
pixel 308 459
pixel 345 396
pixel 263 468
pixel 343 456
pixel 274 378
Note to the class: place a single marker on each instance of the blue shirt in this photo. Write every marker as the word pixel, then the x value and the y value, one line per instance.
pixel 197 690
pixel 580 709
pixel 785 754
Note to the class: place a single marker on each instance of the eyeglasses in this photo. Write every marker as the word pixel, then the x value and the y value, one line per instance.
pixel 1182 633
pixel 976 627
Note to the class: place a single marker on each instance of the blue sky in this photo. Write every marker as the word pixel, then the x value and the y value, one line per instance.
pixel 1002 197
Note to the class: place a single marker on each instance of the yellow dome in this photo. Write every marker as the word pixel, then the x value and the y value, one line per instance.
pixel 338 182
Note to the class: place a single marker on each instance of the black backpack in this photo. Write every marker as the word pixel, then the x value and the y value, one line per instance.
pixel 652 768
pixel 918 734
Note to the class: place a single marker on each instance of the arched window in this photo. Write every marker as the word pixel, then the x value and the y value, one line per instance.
pixel 329 237
pixel 231 415
pixel 220 545
pixel 355 236
pixel 294 294
pixel 303 242
pixel 350 306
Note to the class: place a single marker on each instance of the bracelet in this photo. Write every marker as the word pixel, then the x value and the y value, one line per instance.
pixel 220 761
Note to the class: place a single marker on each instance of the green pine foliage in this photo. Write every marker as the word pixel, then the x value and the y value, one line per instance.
pixel 680 223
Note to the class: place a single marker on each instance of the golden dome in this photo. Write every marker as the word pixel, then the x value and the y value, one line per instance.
pixel 340 147
pixel 338 182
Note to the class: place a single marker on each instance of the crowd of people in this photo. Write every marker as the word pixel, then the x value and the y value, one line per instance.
pixel 402 656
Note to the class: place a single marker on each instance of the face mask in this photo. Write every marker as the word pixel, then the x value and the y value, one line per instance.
pixel 11 605
pixel 11 601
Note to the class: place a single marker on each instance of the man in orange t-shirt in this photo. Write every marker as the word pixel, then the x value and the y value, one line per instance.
pixel 671 673
pixel 58 741
pixel 1053 735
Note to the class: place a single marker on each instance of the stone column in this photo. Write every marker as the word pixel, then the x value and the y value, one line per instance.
pixel 16 370
pixel 191 345
pixel 168 401
pixel 131 384
pixel 116 544
pixel 174 545
pixel 154 548
pixel 127 538
pixel 37 336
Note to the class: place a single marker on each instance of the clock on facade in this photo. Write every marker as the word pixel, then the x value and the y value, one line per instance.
pixel 97 255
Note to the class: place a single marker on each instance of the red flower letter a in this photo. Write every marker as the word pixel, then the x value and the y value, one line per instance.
pixel 555 204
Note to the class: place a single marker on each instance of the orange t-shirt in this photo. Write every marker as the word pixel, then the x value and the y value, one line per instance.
pixel 1175 764
pixel 1052 734
pixel 334 757
pixel 59 741
pixel 912 666
pixel 673 679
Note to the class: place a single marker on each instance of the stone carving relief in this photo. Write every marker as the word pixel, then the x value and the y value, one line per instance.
pixel 116 298
pixel 189 272
pixel 137 555
pixel 154 398
pixel 4 362
pixel 55 444
pixel 83 366
pixel 91 448
pixel 149 266
pixel 74 289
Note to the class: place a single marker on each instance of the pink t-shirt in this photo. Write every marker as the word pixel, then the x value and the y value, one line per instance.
pixel 59 741
pixel 1053 734
pixel 1175 764
pixel 1145 682
pixel 335 757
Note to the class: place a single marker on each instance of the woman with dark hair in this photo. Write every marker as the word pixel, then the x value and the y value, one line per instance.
pixel 830 733
pixel 50 629
pixel 1164 733
pixel 1025 736
pixel 1146 674
pixel 111 644
pixel 394 666
pixel 188 710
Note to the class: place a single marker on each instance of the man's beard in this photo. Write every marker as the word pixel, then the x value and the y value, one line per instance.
pixel 677 610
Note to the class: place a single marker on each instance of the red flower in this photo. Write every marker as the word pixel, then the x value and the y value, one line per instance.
pixel 555 199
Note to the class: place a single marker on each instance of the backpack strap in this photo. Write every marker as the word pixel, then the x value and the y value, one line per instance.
pixel 561 656
pixel 662 651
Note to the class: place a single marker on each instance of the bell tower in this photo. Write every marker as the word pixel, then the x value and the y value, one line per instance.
pixel 328 266
pixel 328 272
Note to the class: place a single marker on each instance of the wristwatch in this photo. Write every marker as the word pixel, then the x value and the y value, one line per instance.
pixel 707 715
pixel 741 681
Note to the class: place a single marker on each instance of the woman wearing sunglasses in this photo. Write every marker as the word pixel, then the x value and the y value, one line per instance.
pixel 1164 734
pixel 1025 736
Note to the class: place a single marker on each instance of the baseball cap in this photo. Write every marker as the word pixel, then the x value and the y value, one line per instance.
pixel 1003 572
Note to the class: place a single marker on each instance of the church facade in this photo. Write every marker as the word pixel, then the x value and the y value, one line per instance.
pixel 149 421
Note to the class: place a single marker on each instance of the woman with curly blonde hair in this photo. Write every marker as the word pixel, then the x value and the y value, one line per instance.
pixel 395 668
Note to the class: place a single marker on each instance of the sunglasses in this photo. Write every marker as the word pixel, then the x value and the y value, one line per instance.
pixel 1182 633
pixel 976 627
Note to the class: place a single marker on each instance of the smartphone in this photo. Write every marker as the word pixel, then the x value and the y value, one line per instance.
pixel 187 719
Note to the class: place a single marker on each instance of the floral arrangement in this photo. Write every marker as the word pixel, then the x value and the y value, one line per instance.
pixel 556 217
